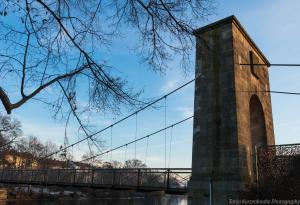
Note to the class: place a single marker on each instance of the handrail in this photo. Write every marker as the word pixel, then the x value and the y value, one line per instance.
pixel 278 145
pixel 138 178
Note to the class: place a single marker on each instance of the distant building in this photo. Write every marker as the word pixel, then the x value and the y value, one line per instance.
pixel 14 159
pixel 19 160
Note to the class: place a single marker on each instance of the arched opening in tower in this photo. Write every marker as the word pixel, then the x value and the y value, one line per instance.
pixel 257 127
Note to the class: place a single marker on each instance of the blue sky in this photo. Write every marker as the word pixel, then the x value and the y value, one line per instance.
pixel 272 24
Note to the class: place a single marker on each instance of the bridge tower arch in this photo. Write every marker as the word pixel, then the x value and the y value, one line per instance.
pixel 231 113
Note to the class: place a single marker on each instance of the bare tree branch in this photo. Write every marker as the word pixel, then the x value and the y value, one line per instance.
pixel 51 44
pixel 9 106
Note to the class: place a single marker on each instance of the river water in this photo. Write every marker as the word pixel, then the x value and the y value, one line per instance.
pixel 154 200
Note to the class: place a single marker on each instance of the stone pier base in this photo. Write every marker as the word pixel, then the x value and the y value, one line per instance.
pixel 220 192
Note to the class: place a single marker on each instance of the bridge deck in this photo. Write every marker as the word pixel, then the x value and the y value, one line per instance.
pixel 172 181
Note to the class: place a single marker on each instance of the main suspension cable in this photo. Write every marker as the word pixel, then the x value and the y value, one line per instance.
pixel 126 117
pixel 153 133
pixel 155 101
pixel 272 64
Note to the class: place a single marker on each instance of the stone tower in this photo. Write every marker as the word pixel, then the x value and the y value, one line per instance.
pixel 231 114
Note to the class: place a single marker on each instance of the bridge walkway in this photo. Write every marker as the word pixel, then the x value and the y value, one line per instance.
pixel 171 181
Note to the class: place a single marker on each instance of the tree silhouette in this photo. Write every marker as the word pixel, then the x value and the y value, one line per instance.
pixel 54 44
pixel 51 50
pixel 10 130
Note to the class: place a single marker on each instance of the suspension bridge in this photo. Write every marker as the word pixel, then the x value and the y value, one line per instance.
pixel 232 119
pixel 169 180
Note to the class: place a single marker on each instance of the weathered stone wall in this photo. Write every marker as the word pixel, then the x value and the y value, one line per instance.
pixel 247 85
pixel 222 145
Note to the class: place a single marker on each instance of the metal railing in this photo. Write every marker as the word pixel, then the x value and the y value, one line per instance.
pixel 172 180
pixel 278 171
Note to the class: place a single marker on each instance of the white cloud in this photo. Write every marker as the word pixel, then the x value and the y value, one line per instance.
pixel 185 111
pixel 52 132
pixel 155 161
pixel 169 85
pixel 288 123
